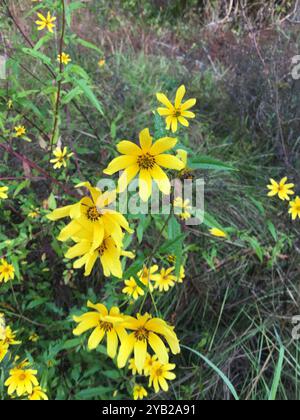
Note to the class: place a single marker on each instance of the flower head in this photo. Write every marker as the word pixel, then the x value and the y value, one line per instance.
pixel 20 130
pixel 64 58
pixel 159 375
pixel 146 331
pixel 38 394
pixel 165 279
pixel 10 337
pixel 3 350
pixel 149 362
pixel 181 275
pixel 177 113
pixel 133 368
pixel 146 160
pixel 184 207
pixel 295 208
pixel 139 392
pixel 22 381
pixel 282 189
pixel 218 233
pixel 46 22
pixel 61 157
pixel 104 323
pixel 146 276
pixel 7 271
pixel 3 193
pixel 101 62
pixel 133 289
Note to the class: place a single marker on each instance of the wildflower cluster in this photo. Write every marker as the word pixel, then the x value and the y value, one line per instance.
pixel 285 191
pixel 22 380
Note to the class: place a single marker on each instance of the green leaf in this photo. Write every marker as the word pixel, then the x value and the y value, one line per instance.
pixel 277 375
pixel 93 392
pixel 36 54
pixel 21 187
pixel 206 162
pixel 86 89
pixel 88 45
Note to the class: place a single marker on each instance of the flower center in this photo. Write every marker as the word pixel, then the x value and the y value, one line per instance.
pixel 93 214
pixel 177 112
pixel 146 161
pixel 106 326
pixel 22 377
pixel 141 334
pixel 159 372
pixel 102 248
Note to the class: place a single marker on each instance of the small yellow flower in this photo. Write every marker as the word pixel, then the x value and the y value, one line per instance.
pixel 38 394
pixel 282 189
pixel 10 337
pixel 34 338
pixel 34 214
pixel 146 331
pixel 3 193
pixel 139 392
pixel 3 350
pixel 22 381
pixel 184 207
pixel 149 362
pixel 181 275
pixel 133 368
pixel 2 327
pixel 61 157
pixel 159 375
pixel 147 161
pixel 20 131
pixel 133 289
pixel 7 271
pixel 46 22
pixel 64 58
pixel 10 104
pixel 165 280
pixel 102 62
pixel 183 156
pixel 177 113
pixel 218 233
pixel 295 208
pixel 146 276
pixel 104 323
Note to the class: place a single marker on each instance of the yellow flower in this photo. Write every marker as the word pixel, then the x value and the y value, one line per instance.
pixel 146 276
pixel 165 279
pixel 7 271
pixel 3 350
pixel 38 394
pixel 177 113
pixel 282 189
pixel 103 323
pixel 109 253
pixel 139 392
pixel 184 207
pixel 3 191
pixel 46 22
pixel 133 368
pixel 10 104
pixel 183 156
pixel 159 374
pixel 181 275
pixel 10 337
pixel 146 331
pixel 102 62
pixel 218 233
pixel 295 208
pixel 149 362
pixel 61 157
pixel 33 337
pixel 22 381
pixel 92 215
pixel 20 130
pixel 34 214
pixel 146 161
pixel 133 289
pixel 64 58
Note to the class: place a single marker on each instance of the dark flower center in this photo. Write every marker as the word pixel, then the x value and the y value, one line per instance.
pixel 141 334
pixel 146 161
pixel 106 326
pixel 93 214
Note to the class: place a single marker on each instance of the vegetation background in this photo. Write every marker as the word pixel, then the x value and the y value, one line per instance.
pixel 234 310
